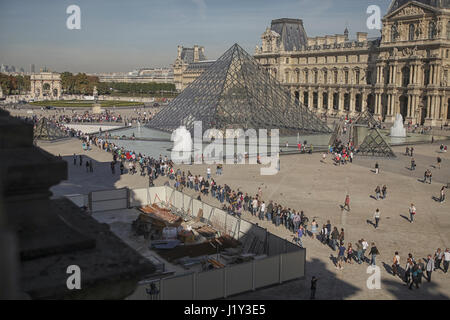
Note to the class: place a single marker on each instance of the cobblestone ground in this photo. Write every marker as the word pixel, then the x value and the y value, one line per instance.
pixel 305 183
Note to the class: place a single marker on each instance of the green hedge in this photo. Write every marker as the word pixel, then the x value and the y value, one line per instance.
pixel 78 103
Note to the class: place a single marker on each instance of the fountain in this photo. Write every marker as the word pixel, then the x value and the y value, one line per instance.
pixel 398 131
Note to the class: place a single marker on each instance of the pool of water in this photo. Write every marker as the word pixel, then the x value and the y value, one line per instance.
pixel 157 148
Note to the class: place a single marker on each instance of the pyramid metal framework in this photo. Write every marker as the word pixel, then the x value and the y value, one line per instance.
pixel 375 145
pixel 45 130
pixel 237 92
pixel 366 118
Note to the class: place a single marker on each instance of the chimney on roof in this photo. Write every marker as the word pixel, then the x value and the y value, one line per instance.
pixel 196 54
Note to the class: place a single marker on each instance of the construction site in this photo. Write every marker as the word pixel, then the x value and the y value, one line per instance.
pixel 193 245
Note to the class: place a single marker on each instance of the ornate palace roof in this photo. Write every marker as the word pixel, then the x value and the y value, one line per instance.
pixel 292 33
pixel 441 4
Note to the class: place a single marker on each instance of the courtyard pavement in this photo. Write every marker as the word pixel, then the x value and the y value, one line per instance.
pixel 319 189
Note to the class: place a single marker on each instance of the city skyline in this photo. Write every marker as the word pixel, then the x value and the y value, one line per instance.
pixel 114 38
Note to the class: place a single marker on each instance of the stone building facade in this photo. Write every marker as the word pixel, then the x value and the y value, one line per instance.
pixel 189 65
pixel 405 71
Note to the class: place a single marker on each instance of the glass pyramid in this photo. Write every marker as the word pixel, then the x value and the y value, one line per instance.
pixel 237 92
pixel 375 145
pixel 45 130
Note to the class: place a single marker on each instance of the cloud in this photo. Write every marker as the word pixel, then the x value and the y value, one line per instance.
pixel 201 6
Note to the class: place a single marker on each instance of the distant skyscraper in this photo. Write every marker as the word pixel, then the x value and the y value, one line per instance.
pixel 13 69
pixel 32 68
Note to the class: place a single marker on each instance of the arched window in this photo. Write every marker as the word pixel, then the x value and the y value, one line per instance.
pixel 297 74
pixel 412 29
pixel 306 76
pixel 315 76
pixel 431 30
pixel 357 76
pixel 346 76
pixel 335 76
pixel 325 76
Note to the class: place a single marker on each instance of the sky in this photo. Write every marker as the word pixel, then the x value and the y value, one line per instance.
pixel 120 36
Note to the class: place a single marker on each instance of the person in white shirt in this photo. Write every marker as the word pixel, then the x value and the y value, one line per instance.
pixel 365 245
pixel 377 216
pixel 446 259
pixel 208 172
pixel 261 211
pixel 254 206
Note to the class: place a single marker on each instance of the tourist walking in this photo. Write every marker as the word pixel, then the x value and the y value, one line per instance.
pixel 412 212
pixel 396 264
pixel 122 168
pixel 81 160
pixel 359 251
pixel 416 271
pixel 384 192
pixel 377 192
pixel 300 234
pixel 438 256
pixel 373 252
pixel 349 253
pixel 74 159
pixel 377 216
pixel 377 168
pixel 408 270
pixel 113 167
pixel 313 229
pixel 412 152
pixel 439 160
pixel 446 259
pixel 91 166
pixel 429 267
pixel 365 246
pixel 262 210
pixel 413 164
pixel 87 166
pixel 346 203
pixel 341 255
pixel 442 195
pixel 334 238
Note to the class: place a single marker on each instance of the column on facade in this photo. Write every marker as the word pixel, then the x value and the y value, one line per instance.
pixel 429 107
pixel 352 101
pixel 389 109
pixel 320 99
pixel 410 106
pixel 364 101
pixel 330 99
pixel 310 99
pixel 340 101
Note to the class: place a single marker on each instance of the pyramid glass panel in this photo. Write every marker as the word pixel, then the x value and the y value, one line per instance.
pixel 45 130
pixel 375 145
pixel 237 92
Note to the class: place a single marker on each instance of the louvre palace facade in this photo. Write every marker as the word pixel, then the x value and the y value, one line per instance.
pixel 405 71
